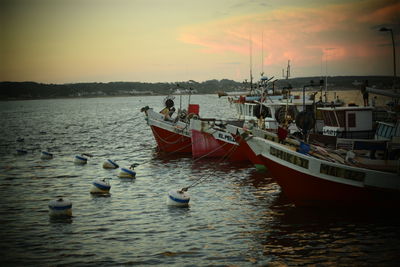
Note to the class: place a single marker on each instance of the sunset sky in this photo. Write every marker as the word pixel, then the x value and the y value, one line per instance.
pixel 67 41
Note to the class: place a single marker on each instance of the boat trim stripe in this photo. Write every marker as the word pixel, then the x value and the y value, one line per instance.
pixel 178 199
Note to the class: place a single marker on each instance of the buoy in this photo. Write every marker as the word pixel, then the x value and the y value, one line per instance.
pixel 46 155
pixel 80 160
pixel 21 152
pixel 126 173
pixel 178 198
pixel 109 164
pixel 60 208
pixel 100 187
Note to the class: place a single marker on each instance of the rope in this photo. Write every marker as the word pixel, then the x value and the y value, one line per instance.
pixel 165 140
pixel 225 157
pixel 169 153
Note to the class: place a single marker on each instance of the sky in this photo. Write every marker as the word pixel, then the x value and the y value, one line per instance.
pixel 68 41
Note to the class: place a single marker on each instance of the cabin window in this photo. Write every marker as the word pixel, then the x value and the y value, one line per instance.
pixel 341 118
pixel 333 118
pixel 343 173
pixel 379 130
pixel 385 131
pixel 327 118
pixel 389 133
pixel 351 120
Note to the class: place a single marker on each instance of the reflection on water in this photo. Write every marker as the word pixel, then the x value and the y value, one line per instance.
pixel 236 216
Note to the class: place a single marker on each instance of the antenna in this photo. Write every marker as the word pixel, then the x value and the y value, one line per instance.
pixel 262 53
pixel 251 64
pixel 326 74
pixel 288 70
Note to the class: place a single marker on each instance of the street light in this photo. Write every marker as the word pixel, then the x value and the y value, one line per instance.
pixel 384 29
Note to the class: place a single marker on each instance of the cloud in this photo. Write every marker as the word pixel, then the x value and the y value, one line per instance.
pixel 335 32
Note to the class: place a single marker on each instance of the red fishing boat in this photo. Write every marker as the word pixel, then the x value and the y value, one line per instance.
pixel 171 135
pixel 314 177
pixel 211 139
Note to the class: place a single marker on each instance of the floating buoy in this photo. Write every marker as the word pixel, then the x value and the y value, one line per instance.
pixel 60 208
pixel 178 198
pixel 21 152
pixel 46 155
pixel 109 164
pixel 126 173
pixel 80 160
pixel 100 187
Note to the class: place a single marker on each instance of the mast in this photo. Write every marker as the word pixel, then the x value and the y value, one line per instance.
pixel 288 70
pixel 251 64
pixel 326 78
pixel 262 54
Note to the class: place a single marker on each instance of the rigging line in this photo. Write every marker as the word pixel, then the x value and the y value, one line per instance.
pixel 201 179
pixel 190 144
pixel 186 146
pixel 169 142
pixel 225 157
pixel 212 151
pixel 165 140
pixel 175 151
pixel 168 153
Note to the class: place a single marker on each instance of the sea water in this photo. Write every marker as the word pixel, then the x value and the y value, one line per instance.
pixel 237 216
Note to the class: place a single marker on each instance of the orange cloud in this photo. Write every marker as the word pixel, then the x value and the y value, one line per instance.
pixel 382 14
pixel 299 34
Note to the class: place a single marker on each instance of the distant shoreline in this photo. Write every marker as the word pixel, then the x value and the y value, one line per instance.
pixel 297 90
pixel 14 91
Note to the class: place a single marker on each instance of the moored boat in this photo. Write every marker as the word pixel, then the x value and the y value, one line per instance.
pixel 308 180
pixel 171 135
pixel 211 139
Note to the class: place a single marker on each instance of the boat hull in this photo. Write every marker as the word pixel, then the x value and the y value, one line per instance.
pixel 307 190
pixel 206 145
pixel 169 141
pixel 249 154
pixel 214 142
pixel 308 181
pixel 171 136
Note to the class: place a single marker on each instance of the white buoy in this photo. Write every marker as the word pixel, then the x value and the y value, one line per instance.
pixel 100 187
pixel 126 173
pixel 46 155
pixel 60 208
pixel 109 164
pixel 178 198
pixel 21 152
pixel 80 160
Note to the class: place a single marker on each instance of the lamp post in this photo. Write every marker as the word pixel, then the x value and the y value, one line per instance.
pixel 384 29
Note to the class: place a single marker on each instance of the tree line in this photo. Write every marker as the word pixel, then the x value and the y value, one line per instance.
pixel 34 90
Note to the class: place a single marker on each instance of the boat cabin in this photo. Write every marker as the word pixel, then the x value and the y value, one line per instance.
pixel 348 122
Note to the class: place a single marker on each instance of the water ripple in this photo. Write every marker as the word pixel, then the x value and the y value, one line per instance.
pixel 237 216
